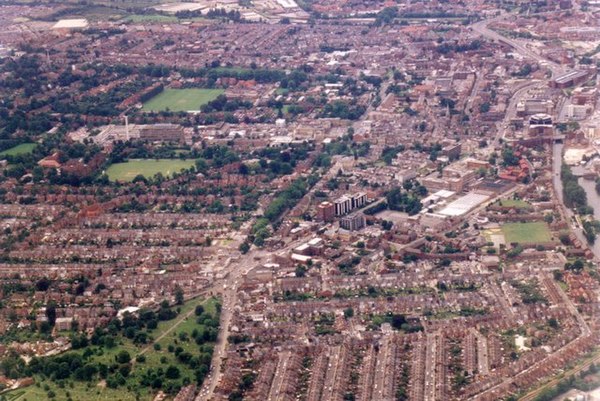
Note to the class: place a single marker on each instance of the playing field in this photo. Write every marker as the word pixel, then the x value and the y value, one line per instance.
pixel 21 149
pixel 181 99
pixel 514 203
pixel 147 167
pixel 526 233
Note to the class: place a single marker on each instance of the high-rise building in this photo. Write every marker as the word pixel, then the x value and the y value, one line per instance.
pixel 353 222
pixel 326 211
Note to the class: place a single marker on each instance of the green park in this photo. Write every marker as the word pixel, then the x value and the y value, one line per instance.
pixel 128 170
pixel 130 360
pixel 190 99
pixel 526 233
pixel 18 150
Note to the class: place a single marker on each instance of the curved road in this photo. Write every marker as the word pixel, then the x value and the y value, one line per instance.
pixel 482 29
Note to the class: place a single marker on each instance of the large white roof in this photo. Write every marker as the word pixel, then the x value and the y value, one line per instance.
pixel 463 205
pixel 74 23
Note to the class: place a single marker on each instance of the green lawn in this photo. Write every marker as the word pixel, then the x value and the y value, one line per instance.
pixel 165 19
pixel 181 99
pixel 514 203
pixel 127 171
pixel 152 18
pixel 525 233
pixel 21 149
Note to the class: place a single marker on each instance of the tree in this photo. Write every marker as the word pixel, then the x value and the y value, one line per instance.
pixel 577 265
pixel 178 295
pixel 386 16
pixel 508 157
pixel 172 372
pixel 244 247
pixel 403 202
pixel 123 357
pixel 51 312
pixel 37 173
pixel 42 284
pixel 243 169
pixel 397 321
pixel 348 313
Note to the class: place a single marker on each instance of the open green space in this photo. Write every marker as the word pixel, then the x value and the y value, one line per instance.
pixel 526 233
pixel 175 349
pixel 181 99
pixel 514 203
pixel 152 18
pixel 92 12
pixel 21 149
pixel 127 171
pixel 160 18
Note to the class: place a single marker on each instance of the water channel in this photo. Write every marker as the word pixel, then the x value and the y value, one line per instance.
pixel 590 189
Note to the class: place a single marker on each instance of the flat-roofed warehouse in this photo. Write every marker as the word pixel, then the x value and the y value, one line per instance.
pixel 71 24
pixel 464 204
pixel 571 78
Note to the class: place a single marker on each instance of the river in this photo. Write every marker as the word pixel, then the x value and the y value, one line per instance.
pixel 590 189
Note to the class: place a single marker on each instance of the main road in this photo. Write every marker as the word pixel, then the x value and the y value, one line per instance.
pixel 482 29
pixel 227 288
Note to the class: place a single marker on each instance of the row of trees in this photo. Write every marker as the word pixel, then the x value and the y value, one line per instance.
pixel 573 194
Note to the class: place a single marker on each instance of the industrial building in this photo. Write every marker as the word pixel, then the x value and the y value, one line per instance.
pixel 570 79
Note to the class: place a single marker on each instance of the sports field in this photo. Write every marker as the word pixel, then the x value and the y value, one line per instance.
pixel 181 99
pixel 21 149
pixel 526 233
pixel 127 171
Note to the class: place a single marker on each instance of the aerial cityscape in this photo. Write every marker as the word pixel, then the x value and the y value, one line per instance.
pixel 311 200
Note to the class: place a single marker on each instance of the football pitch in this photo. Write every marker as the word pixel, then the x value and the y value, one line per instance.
pixel 127 171
pixel 526 233
pixel 181 99
pixel 21 149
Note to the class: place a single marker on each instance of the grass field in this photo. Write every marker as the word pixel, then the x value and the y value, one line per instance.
pixel 166 19
pixel 525 233
pixel 127 171
pixel 21 149
pixel 181 99
pixel 152 18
